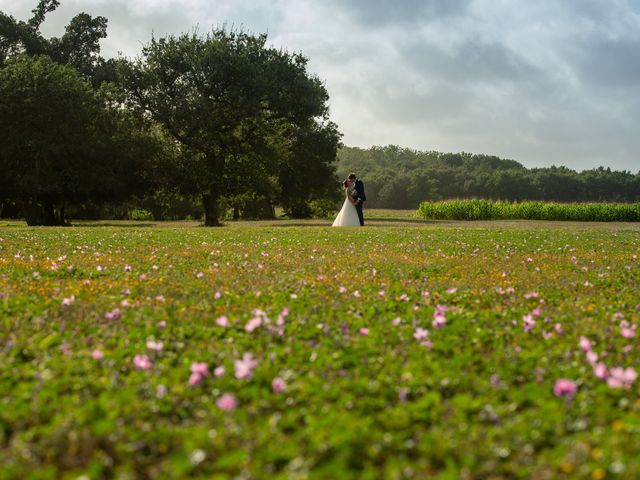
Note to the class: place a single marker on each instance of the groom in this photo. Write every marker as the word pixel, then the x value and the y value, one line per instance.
pixel 359 196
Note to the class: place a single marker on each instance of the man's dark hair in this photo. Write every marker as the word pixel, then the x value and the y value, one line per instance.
pixel 352 176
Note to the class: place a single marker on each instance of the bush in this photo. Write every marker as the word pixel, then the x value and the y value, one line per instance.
pixel 323 208
pixel 475 209
pixel 140 214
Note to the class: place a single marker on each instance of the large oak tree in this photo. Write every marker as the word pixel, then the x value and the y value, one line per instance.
pixel 227 96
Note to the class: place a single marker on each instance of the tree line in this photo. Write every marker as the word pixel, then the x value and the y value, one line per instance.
pixel 220 119
pixel 402 178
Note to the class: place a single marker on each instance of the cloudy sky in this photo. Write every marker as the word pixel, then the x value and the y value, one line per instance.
pixel 542 82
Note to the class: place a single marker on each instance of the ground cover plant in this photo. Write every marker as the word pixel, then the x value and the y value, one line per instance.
pixel 309 352
pixel 493 210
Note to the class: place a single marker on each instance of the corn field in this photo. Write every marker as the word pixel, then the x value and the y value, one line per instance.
pixel 496 210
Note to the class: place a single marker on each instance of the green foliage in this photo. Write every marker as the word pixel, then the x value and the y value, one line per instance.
pixel 241 112
pixel 325 208
pixel 403 178
pixel 139 214
pixel 79 47
pixel 494 210
pixel 478 404
pixel 65 142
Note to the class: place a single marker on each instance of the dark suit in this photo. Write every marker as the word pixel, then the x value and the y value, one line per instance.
pixel 360 197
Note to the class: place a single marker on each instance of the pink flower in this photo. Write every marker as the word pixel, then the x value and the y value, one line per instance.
pixel 592 357
pixel 282 317
pixel 364 332
pixel 528 322
pixel 252 324
pixel 441 308
pixel 161 391
pixel 141 362
pixel 162 323
pixel 527 296
pixel 97 355
pixel 382 294
pixel 195 379
pixel 227 402
pixel 199 275
pixel 69 300
pixel 585 344
pixel 222 321
pixel 600 371
pixel 564 388
pixel 558 328
pixel 628 332
pixel 245 366
pixel 278 385
pixel 200 368
pixel 439 320
pixel 342 290
pixel 402 394
pixel 404 297
pixel 113 314
pixel 219 371
pixel 420 333
pixel 356 294
pixel 217 295
pixel 396 321
pixel 536 312
pixel 451 290
pixel 155 346
pixel 621 377
pixel 127 268
pixel 427 344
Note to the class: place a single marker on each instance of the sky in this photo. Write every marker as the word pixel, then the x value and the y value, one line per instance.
pixel 544 82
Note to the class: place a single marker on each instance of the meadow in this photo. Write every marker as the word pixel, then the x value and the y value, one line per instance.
pixel 283 350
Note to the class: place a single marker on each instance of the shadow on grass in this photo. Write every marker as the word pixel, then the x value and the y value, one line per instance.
pixel 111 224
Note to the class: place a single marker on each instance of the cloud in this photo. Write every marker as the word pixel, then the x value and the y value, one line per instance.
pixel 543 82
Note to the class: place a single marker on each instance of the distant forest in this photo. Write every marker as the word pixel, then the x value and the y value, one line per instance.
pixel 398 177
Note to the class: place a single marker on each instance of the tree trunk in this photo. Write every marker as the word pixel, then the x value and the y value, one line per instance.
pixel 63 220
pixel 211 204
pixel 236 212
pixel 33 214
pixel 50 219
pixel 43 214
pixel 211 199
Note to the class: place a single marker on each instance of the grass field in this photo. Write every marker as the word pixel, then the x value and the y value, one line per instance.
pixel 407 349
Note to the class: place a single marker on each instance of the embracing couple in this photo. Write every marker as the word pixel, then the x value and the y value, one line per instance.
pixel 351 213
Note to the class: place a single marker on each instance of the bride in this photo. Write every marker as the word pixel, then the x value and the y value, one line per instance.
pixel 348 216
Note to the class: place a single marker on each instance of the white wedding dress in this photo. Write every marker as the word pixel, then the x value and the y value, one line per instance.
pixel 348 216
